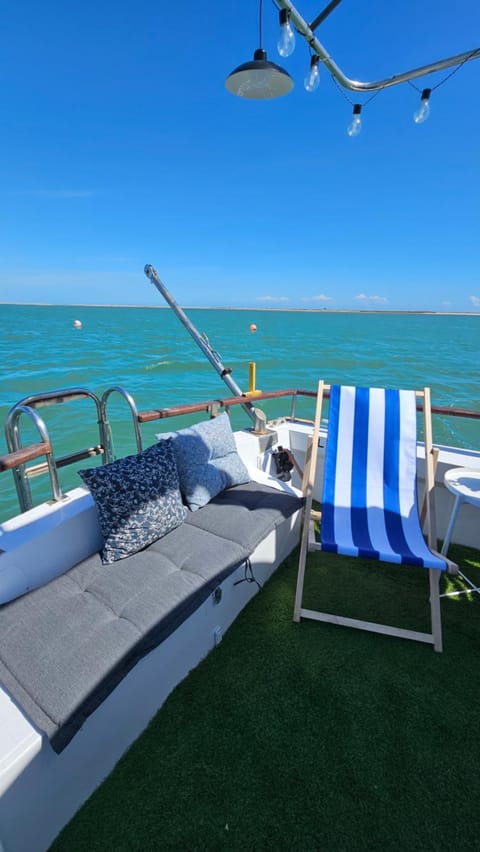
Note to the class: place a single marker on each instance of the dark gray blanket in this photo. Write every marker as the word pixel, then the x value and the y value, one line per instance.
pixel 65 646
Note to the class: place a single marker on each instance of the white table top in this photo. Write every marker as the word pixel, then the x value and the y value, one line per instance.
pixel 464 483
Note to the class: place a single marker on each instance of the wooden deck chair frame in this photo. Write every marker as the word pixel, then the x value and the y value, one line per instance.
pixel 308 542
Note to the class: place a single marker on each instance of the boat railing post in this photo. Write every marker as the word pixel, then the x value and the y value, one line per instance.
pixel 28 406
pixel 293 409
pixel 22 484
pixel 105 424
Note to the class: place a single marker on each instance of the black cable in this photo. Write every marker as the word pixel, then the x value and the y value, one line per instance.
pixel 352 103
pixel 249 577
pixel 454 71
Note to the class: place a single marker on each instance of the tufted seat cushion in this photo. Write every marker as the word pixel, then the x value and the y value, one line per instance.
pixel 66 645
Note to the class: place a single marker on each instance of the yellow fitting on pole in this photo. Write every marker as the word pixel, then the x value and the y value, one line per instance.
pixel 252 377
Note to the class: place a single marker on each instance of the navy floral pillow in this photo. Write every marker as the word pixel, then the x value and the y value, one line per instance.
pixel 138 500
pixel 207 460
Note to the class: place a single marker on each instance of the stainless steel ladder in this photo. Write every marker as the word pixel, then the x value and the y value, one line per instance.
pixel 28 407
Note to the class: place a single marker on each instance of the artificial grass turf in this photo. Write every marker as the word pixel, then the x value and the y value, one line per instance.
pixel 309 735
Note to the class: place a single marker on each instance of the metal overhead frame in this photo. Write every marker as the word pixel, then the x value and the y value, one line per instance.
pixel 307 31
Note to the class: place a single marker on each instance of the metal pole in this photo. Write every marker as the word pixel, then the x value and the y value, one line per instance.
pixel 223 372
pixel 323 15
pixel 357 85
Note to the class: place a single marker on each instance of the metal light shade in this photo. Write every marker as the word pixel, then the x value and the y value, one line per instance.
pixel 259 79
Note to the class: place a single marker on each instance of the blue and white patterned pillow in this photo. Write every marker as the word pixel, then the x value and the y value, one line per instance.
pixel 207 460
pixel 138 500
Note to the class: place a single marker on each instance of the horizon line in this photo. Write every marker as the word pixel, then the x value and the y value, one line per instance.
pixel 270 309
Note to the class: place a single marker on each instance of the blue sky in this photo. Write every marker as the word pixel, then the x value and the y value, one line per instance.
pixel 120 146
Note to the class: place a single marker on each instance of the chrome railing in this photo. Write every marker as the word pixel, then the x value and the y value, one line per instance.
pixel 18 456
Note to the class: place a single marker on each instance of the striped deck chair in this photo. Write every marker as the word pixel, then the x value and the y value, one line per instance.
pixel 369 504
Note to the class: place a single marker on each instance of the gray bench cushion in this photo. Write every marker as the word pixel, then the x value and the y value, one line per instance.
pixel 65 646
pixel 245 514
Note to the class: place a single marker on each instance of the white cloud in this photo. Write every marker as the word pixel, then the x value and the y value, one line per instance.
pixel 475 300
pixel 362 297
pixel 321 298
pixel 446 303
pixel 272 299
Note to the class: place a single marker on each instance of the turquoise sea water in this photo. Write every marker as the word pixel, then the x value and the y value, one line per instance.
pixel 148 351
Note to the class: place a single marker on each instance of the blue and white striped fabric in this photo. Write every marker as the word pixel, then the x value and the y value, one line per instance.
pixel 369 505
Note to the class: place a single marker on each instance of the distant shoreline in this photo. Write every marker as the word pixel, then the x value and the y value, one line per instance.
pixel 255 308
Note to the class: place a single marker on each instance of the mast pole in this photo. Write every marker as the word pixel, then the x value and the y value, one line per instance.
pixel 224 372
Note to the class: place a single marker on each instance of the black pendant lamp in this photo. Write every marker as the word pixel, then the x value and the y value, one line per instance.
pixel 259 79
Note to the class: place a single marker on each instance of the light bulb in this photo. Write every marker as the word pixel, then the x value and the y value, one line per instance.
pixel 423 110
pixel 355 127
pixel 286 39
pixel 312 79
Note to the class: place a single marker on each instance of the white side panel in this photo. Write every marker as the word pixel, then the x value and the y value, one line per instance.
pixel 47 541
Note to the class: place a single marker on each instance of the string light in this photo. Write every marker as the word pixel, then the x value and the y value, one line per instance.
pixel 312 80
pixel 423 111
pixel 286 38
pixel 355 126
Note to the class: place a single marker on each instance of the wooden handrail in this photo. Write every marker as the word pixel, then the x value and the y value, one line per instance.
pixel 454 412
pixel 33 451
pixel 175 411
pixel 178 410
pixel 24 454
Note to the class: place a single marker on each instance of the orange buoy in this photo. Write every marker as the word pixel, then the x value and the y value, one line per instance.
pixel 253 327
pixel 77 324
